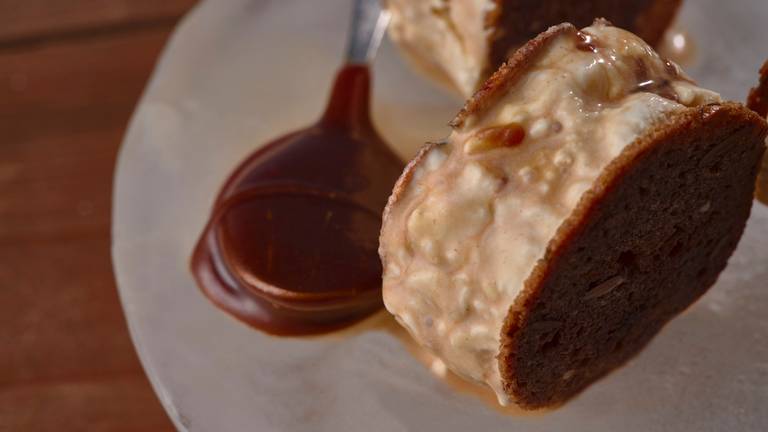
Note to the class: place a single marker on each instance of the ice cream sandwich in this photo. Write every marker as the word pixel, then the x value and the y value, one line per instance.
pixel 589 192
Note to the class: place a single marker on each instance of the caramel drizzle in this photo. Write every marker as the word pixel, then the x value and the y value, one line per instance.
pixel 660 86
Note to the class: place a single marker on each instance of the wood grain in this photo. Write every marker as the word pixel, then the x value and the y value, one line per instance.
pixel 66 361
pixel 25 20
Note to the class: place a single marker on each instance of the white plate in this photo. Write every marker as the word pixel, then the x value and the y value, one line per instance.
pixel 240 72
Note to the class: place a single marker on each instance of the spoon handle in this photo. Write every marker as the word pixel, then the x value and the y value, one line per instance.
pixel 366 30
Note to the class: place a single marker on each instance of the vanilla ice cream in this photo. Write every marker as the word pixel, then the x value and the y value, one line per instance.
pixel 447 39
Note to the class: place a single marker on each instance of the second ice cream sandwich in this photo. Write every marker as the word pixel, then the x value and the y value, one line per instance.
pixel 461 42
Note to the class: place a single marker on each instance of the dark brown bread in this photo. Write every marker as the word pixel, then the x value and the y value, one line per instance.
pixel 757 100
pixel 517 21
pixel 643 244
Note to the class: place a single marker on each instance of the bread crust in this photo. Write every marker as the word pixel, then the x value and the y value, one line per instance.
pixel 757 100
pixel 399 189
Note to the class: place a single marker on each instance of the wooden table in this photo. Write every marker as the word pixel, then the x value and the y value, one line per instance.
pixel 70 75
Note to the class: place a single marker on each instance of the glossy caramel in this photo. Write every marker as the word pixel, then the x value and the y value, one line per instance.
pixel 291 245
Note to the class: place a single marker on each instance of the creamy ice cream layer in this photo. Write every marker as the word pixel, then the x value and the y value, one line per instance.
pixel 446 39
pixel 480 209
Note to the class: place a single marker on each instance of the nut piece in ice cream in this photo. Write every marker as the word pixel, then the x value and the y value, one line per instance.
pixel 589 192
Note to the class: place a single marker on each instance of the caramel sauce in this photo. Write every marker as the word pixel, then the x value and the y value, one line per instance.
pixel 510 135
pixel 586 42
pixel 291 246
pixel 678 46
pixel 660 87
pixel 645 83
